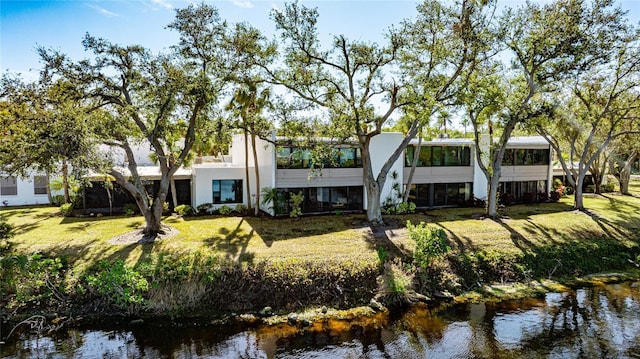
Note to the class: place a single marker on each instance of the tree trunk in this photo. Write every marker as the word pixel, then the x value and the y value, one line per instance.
pixel 624 179
pixel 174 195
pixel 65 181
pixel 374 210
pixel 153 215
pixel 578 202
pixel 257 171
pixel 492 197
pixel 414 163
pixel 246 169
pixel 48 179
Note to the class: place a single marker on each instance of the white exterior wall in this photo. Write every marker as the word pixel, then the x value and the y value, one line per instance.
pixel 380 148
pixel 26 195
pixel 266 164
pixel 202 183
pixel 328 177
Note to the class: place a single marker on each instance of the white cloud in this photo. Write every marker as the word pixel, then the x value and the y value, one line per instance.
pixel 163 3
pixel 243 3
pixel 102 10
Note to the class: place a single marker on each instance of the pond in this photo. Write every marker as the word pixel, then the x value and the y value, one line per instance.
pixel 599 322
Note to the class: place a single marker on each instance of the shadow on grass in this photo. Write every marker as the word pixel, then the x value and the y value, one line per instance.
pixel 233 243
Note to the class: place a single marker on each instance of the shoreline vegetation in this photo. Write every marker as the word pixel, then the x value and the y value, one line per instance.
pixel 261 270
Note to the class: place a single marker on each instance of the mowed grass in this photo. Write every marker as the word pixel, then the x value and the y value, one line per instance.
pixel 338 237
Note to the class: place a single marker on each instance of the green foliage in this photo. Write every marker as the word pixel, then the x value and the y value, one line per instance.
pixel 121 285
pixel 130 209
pixel 57 200
pixel 271 196
pixel 295 201
pixel 184 210
pixel 204 208
pixel 66 209
pixel 165 208
pixel 31 280
pixel 241 209
pixel 6 229
pixel 395 285
pixel 609 187
pixel 225 210
pixel 430 242
pixel 383 254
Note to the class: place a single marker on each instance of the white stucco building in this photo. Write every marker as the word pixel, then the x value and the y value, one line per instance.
pixel 446 175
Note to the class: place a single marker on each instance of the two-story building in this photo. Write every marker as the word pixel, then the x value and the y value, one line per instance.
pixel 446 174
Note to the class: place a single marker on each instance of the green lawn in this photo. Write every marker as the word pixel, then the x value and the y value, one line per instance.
pixel 86 240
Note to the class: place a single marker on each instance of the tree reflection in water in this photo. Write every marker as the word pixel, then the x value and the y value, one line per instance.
pixel 592 322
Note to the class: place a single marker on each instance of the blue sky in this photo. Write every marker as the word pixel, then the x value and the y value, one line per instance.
pixel 62 24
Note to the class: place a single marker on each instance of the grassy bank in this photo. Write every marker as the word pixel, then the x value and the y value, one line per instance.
pixel 235 264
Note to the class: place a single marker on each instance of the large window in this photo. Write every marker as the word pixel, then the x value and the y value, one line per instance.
pixel 227 191
pixel 324 199
pixel 40 185
pixel 439 156
pixel 296 158
pixel 525 157
pixel 8 186
pixel 440 194
pixel 523 191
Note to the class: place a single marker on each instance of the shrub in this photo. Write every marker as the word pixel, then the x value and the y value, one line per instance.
pixel 204 208
pixel 66 209
pixel 6 229
pixel 184 210
pixel 130 209
pixel 165 208
pixel 225 210
pixel 241 209
pixel 121 285
pixel 609 187
pixel 590 189
pixel 395 285
pixel 405 208
pixel 57 200
pixel 295 201
pixel 430 242
pixel 506 199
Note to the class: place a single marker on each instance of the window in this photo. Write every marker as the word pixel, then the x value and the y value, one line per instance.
pixel 439 156
pixel 283 157
pixel 39 185
pixel 227 191
pixel 324 199
pixel 526 157
pixel 8 186
pixel 297 158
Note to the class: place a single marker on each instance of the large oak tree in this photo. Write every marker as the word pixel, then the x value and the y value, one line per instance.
pixel 163 100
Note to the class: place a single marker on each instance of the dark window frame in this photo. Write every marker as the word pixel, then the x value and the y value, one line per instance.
pixel 237 184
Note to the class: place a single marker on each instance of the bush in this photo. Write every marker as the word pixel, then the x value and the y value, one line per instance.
pixel 295 201
pixel 6 230
pixel 57 200
pixel 205 208
pixel 609 187
pixel 225 210
pixel 66 209
pixel 130 209
pixel 184 210
pixel 165 208
pixel 241 209
pixel 430 242
pixel 590 189
pixel 506 199
pixel 121 285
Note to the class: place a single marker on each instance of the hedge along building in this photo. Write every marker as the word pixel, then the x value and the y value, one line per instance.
pixel 446 175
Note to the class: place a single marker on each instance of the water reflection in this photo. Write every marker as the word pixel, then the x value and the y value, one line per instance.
pixel 594 322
